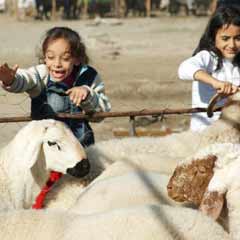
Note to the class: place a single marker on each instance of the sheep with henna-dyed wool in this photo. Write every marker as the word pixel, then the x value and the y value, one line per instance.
pixel 208 178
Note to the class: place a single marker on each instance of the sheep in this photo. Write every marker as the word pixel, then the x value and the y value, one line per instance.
pixel 37 149
pixel 66 191
pixel 226 181
pixel 149 153
pixel 191 183
pixel 142 222
pixel 214 160
pixel 163 153
pixel 130 189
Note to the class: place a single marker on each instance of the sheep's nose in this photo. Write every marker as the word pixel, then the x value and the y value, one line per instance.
pixel 81 169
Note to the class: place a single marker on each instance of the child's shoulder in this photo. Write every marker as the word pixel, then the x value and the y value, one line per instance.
pixel 206 53
pixel 207 57
pixel 87 69
pixel 40 70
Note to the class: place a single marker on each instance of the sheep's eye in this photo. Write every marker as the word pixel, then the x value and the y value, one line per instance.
pixel 53 144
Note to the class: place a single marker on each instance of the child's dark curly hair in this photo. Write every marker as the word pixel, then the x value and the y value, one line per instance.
pixel 78 49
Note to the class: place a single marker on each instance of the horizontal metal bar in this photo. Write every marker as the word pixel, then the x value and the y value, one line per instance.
pixel 96 116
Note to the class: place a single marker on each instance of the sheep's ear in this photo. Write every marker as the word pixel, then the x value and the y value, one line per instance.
pixel 190 180
pixel 212 204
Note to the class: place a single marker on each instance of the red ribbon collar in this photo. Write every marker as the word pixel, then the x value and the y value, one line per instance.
pixel 39 201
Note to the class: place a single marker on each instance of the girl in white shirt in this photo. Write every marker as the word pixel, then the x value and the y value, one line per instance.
pixel 215 64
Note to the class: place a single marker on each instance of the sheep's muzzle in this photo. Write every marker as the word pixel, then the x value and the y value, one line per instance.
pixel 81 169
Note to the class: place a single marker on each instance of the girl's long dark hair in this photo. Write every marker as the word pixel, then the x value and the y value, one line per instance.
pixel 78 49
pixel 225 15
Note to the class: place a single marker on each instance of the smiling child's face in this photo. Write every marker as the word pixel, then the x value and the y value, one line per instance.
pixel 59 59
pixel 227 40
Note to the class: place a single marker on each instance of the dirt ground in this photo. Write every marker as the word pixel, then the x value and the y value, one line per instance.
pixel 137 58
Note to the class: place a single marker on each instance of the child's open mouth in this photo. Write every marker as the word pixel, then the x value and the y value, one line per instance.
pixel 58 74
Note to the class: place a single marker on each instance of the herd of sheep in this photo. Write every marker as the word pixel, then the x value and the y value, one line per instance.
pixel 124 193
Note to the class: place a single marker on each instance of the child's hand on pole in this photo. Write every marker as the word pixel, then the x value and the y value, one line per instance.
pixel 225 88
pixel 7 74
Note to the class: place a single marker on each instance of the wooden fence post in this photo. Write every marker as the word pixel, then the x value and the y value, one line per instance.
pixel 132 130
pixel 85 8
pixel 116 8
pixel 54 10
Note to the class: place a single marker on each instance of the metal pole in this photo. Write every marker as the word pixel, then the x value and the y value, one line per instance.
pixel 96 116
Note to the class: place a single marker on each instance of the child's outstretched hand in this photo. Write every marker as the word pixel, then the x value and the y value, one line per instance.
pixel 7 74
pixel 77 94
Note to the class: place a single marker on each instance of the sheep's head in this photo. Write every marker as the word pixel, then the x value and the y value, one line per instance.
pixel 230 110
pixel 63 152
pixel 51 145
pixel 204 181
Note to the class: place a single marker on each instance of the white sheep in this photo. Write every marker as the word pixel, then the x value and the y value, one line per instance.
pixel 150 153
pixel 131 189
pixel 187 183
pixel 226 180
pixel 25 163
pixel 163 153
pixel 67 190
pixel 142 222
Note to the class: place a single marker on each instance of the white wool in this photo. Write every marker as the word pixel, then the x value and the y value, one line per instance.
pixel 225 153
pixel 225 176
pixel 131 189
pixel 159 154
pixel 64 194
pixel 153 222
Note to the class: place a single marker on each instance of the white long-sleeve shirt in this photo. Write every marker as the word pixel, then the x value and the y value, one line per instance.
pixel 202 92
